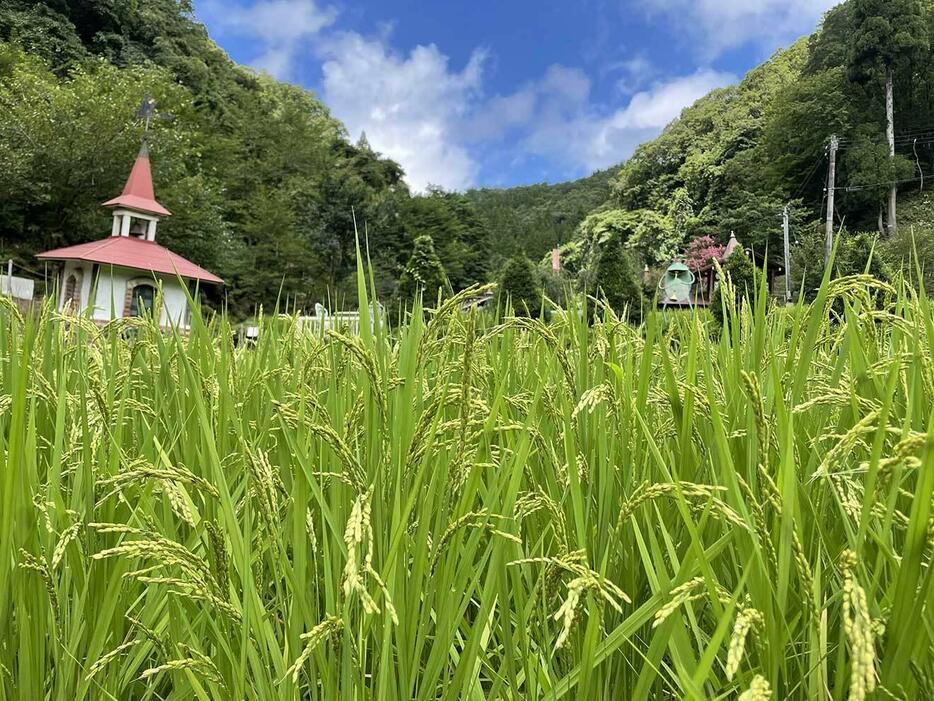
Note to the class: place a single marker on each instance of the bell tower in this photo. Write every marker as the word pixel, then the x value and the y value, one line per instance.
pixel 136 211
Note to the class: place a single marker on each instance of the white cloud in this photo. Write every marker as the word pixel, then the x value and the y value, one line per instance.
pixel 655 108
pixel 588 139
pixel 567 86
pixel 559 90
pixel 280 26
pixel 434 121
pixel 499 114
pixel 717 25
pixel 635 72
pixel 280 20
pixel 410 106
pixel 434 118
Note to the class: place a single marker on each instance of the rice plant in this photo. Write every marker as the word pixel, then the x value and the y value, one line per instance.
pixel 465 508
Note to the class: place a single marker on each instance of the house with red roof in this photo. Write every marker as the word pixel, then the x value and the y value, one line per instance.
pixel 121 275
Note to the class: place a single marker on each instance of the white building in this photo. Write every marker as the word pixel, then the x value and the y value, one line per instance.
pixel 120 275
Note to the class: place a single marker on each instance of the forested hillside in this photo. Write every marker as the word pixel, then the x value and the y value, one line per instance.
pixel 739 155
pixel 535 218
pixel 264 182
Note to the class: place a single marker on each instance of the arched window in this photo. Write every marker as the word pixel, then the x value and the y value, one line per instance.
pixel 144 297
pixel 140 297
pixel 72 296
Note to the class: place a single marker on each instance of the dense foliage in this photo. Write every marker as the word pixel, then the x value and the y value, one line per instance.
pixel 739 284
pixel 536 218
pixel 616 282
pixel 460 236
pixel 472 510
pixel 267 189
pixel 424 274
pixel 519 286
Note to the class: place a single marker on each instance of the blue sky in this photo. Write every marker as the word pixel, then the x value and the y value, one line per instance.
pixel 506 92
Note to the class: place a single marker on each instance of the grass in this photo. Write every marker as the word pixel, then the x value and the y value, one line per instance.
pixel 470 510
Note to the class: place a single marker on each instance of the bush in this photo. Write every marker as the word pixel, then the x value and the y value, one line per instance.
pixel 518 284
pixel 617 282
pixel 423 273
pixel 909 250
pixel 744 278
pixel 856 253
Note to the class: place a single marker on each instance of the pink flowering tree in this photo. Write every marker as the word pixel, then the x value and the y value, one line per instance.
pixel 701 252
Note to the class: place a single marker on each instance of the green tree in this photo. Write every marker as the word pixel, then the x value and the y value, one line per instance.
pixel 856 253
pixel 461 237
pixel 66 145
pixel 617 282
pixel 828 48
pixel 913 246
pixel 473 240
pixel 887 36
pixel 274 264
pixel 866 167
pixel 654 237
pixel 536 218
pixel 742 276
pixel 681 213
pixel 42 31
pixel 795 136
pixel 423 274
pixel 518 284
pixel 68 138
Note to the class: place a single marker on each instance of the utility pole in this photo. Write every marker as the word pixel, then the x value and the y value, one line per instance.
pixel 831 189
pixel 785 227
pixel 890 133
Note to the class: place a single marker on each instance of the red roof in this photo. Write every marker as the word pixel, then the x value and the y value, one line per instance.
pixel 138 193
pixel 130 252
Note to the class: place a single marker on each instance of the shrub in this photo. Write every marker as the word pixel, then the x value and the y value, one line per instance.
pixel 701 252
pixel 909 250
pixel 856 253
pixel 423 273
pixel 617 282
pixel 518 284
pixel 744 280
pixel 912 246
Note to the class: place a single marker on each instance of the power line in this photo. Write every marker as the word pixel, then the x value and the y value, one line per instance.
pixel 916 140
pixel 903 136
pixel 901 145
pixel 807 179
pixel 901 142
pixel 912 132
pixel 857 188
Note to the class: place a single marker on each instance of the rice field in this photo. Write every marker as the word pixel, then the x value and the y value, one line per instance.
pixel 471 508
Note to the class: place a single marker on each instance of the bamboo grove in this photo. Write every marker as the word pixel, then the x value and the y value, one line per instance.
pixel 472 508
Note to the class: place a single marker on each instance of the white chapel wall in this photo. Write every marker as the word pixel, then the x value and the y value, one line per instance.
pixel 111 295
pixel 174 304
pixel 111 292
pixel 83 271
